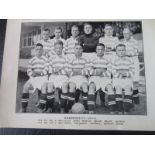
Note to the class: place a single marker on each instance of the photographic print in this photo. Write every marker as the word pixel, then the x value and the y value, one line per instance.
pixel 84 67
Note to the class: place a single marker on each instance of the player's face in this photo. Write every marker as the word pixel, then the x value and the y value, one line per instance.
pixel 88 29
pixel 127 34
pixel 108 31
pixel 39 51
pixel 45 35
pixel 58 49
pixel 78 51
pixel 58 33
pixel 100 51
pixel 121 50
pixel 75 31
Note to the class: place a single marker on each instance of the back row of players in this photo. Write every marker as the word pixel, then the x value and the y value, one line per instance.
pixel 87 65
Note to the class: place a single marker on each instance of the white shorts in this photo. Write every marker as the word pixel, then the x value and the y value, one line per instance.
pixel 58 80
pixel 78 80
pixel 122 82
pixel 96 80
pixel 104 82
pixel 37 82
pixel 89 56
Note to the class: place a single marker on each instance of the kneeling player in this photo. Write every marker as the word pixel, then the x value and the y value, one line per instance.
pixel 58 78
pixel 37 72
pixel 123 80
pixel 100 79
pixel 78 79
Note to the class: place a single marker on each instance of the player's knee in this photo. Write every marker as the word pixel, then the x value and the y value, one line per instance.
pixel 65 87
pixel 118 89
pixel 27 87
pixel 110 89
pixel 85 87
pixel 92 87
pixel 72 87
pixel 50 87
pixel 44 88
pixel 128 90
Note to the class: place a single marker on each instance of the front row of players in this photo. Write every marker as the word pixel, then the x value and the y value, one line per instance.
pixel 80 77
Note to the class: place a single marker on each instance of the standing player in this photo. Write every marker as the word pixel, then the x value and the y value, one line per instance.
pixel 123 80
pixel 132 52
pixel 58 34
pixel 70 43
pixel 46 42
pixel 58 78
pixel 37 72
pixel 109 41
pixel 88 41
pixel 100 79
pixel 78 79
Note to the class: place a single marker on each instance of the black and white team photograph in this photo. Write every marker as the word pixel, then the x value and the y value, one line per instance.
pixel 84 67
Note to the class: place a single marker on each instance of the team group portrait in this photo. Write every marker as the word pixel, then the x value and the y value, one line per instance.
pixel 81 68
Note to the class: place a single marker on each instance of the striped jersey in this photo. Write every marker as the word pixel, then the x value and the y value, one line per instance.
pixel 58 65
pixel 70 45
pixel 80 63
pixel 123 67
pixel 131 47
pixel 38 65
pixel 100 63
pixel 109 41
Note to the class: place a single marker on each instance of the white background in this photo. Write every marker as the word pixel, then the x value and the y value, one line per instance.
pixel 103 9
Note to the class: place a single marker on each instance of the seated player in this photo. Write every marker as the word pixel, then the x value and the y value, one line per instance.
pixel 123 80
pixel 109 41
pixel 58 33
pixel 100 79
pixel 58 78
pixel 70 43
pixel 46 42
pixel 78 79
pixel 37 72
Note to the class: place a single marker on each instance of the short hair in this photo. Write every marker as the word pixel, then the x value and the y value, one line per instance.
pixel 75 26
pixel 47 30
pixel 58 42
pixel 100 44
pixel 120 45
pixel 39 44
pixel 106 25
pixel 58 28
pixel 87 24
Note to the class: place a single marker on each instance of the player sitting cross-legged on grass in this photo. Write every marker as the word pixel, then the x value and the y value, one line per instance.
pixel 37 72
pixel 58 78
pixel 100 79
pixel 78 79
pixel 123 73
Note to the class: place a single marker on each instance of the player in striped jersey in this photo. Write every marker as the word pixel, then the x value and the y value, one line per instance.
pixel 78 79
pixel 109 41
pixel 132 52
pixel 46 42
pixel 100 79
pixel 37 72
pixel 58 34
pixel 58 78
pixel 70 43
pixel 123 71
